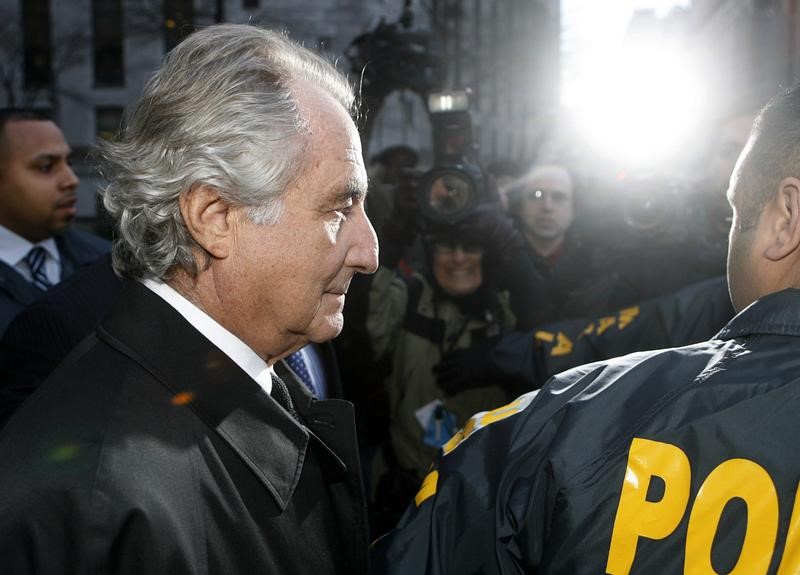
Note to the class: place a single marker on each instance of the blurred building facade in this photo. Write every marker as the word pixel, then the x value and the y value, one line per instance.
pixel 749 47
pixel 87 59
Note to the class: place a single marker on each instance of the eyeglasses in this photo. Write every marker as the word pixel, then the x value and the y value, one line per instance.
pixel 555 196
pixel 449 248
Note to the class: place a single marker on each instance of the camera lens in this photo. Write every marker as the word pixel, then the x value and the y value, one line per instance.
pixel 448 195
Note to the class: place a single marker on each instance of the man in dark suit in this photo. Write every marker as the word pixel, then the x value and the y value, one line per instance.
pixel 37 204
pixel 42 335
pixel 175 440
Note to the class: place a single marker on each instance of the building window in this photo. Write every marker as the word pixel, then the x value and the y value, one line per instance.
pixel 250 3
pixel 107 120
pixel 109 63
pixel 178 21
pixel 37 47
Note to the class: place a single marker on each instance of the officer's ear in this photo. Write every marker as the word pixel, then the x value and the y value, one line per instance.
pixel 784 211
pixel 208 219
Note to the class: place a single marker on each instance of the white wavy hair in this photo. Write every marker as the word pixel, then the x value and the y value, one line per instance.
pixel 221 112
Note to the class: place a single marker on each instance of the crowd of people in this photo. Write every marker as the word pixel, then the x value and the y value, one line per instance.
pixel 172 401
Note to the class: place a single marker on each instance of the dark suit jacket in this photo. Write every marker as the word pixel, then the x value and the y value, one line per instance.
pixel 77 248
pixel 149 451
pixel 43 333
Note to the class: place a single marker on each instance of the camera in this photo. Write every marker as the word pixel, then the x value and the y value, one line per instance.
pixel 658 207
pixel 456 185
pixel 392 57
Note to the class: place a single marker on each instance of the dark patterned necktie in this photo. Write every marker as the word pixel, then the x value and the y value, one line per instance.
pixel 35 261
pixel 298 365
pixel 281 394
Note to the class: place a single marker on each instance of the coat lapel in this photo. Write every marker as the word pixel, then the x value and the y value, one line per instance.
pixel 267 440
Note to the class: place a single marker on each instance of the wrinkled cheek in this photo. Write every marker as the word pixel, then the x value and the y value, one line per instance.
pixel 332 231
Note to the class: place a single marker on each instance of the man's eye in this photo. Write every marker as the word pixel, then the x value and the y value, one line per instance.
pixel 45 168
pixel 344 211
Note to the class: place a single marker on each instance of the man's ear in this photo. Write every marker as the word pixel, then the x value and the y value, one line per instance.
pixel 207 217
pixel 786 220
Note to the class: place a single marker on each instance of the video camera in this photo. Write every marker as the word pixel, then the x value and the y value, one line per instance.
pixel 394 57
pixel 652 213
pixel 456 185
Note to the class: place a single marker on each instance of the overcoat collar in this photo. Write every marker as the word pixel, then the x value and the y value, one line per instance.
pixel 197 374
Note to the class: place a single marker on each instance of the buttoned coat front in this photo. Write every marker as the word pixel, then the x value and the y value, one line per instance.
pixel 149 451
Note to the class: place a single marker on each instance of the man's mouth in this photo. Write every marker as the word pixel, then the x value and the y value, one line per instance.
pixel 67 203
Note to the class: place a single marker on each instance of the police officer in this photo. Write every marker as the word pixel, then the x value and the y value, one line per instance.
pixel 673 461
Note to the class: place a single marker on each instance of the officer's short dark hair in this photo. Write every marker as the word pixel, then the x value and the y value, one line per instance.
pixel 774 153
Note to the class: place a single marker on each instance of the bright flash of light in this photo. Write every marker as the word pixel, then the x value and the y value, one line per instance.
pixel 640 105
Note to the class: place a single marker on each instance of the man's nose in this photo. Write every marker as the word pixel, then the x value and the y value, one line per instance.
pixel 363 255
pixel 459 254
pixel 69 180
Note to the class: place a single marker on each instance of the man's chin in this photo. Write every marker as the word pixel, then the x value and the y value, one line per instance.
pixel 328 329
pixel 60 227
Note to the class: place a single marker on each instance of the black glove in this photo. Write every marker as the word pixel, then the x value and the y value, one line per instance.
pixel 469 368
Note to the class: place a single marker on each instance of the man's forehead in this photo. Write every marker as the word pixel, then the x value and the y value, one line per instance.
pixel 736 175
pixel 34 137
pixel 356 177
pixel 550 177
pixel 743 156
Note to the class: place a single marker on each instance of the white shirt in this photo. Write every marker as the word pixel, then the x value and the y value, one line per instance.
pixel 228 343
pixel 14 248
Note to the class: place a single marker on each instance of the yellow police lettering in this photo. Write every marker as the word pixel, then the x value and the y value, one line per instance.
pixel 749 481
pixel 428 488
pixel 790 562
pixel 627 315
pixel 636 516
pixel 563 346
pixel 604 323
pixel 732 479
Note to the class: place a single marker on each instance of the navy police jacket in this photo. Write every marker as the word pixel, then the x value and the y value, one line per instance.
pixel 674 461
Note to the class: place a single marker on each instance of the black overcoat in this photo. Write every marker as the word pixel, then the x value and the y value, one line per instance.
pixel 149 451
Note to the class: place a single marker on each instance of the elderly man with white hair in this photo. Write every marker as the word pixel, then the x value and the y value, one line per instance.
pixel 174 440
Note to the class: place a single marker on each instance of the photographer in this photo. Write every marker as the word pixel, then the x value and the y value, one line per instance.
pixel 542 204
pixel 476 285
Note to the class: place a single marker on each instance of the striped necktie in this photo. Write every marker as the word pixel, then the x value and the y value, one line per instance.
pixel 298 365
pixel 35 260
pixel 281 395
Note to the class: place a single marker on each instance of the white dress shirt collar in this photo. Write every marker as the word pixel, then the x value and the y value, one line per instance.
pixel 228 343
pixel 14 248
